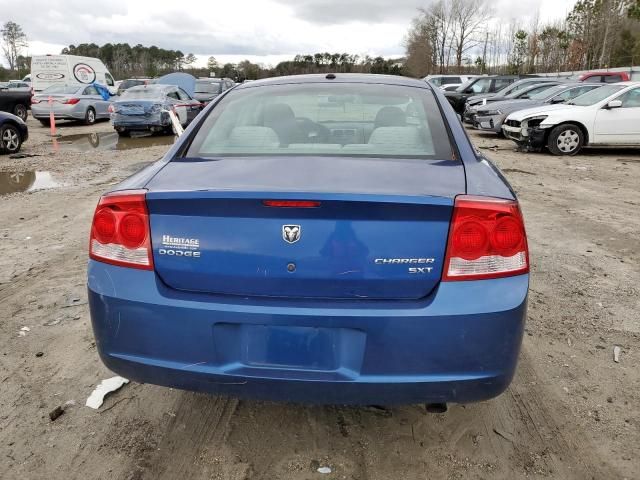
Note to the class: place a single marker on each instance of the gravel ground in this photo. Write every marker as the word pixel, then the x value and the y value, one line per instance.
pixel 571 412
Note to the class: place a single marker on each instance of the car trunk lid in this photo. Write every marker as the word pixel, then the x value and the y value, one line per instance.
pixel 221 227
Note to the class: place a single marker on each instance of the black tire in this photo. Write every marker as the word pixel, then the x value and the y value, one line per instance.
pixel 20 110
pixel 10 139
pixel 124 133
pixel 45 123
pixel 565 140
pixel 90 116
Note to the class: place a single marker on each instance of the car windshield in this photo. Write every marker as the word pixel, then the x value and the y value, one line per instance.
pixel 481 85
pixel 530 91
pixel 60 89
pixel 547 92
pixel 208 87
pixel 140 93
pixel 356 120
pixel 465 85
pixel 596 95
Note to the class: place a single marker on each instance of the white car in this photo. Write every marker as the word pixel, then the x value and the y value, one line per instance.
pixel 448 82
pixel 606 116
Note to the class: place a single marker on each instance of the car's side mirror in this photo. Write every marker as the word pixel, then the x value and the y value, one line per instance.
pixel 614 104
pixel 557 100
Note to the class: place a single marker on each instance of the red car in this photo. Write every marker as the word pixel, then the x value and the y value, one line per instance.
pixel 604 77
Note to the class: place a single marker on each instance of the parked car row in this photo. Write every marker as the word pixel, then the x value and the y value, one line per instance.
pixel 605 116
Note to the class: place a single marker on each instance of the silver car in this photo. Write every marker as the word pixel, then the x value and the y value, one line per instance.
pixel 491 117
pixel 75 102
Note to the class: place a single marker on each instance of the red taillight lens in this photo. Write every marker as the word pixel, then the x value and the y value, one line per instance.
pixel 72 101
pixel 486 240
pixel 110 109
pixel 34 100
pixel 120 232
pixel 291 203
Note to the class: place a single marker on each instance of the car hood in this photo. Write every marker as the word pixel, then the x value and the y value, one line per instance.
pixel 510 105
pixel 542 110
pixel 183 80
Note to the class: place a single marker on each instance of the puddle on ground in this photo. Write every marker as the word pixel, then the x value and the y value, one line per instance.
pixel 87 142
pixel 12 182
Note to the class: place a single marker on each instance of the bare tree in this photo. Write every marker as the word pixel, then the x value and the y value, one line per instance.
pixel 14 41
pixel 468 20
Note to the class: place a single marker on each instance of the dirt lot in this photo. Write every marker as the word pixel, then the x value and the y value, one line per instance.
pixel 571 412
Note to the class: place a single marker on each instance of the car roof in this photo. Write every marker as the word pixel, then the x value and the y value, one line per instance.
pixel 339 78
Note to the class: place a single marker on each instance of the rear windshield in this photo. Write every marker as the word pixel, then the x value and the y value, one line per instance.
pixel 61 89
pixel 208 87
pixel 142 93
pixel 368 120
pixel 131 83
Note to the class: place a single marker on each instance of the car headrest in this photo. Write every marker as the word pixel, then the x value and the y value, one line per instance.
pixel 390 117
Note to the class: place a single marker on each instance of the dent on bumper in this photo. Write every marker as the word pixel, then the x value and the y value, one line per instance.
pixel 459 345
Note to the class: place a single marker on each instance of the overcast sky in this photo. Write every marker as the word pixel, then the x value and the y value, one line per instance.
pixel 264 31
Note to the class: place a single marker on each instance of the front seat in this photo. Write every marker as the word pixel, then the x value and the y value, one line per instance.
pixel 280 118
pixel 390 117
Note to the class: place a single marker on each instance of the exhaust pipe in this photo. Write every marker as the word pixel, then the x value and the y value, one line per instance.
pixel 436 407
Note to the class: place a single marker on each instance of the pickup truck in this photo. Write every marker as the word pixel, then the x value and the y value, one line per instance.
pixel 15 101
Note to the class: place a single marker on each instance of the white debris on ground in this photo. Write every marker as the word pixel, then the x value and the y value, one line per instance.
pixel 324 470
pixel 616 354
pixel 105 387
pixel 23 331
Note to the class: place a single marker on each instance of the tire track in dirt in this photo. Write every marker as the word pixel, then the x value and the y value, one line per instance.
pixel 525 433
pixel 193 444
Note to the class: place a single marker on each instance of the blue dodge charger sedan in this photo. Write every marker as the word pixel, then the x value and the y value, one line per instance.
pixel 321 238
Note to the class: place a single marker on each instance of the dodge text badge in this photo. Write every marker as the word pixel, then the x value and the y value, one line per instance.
pixel 291 233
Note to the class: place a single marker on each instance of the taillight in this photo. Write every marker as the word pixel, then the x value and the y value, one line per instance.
pixel 110 109
pixel 487 239
pixel 34 100
pixel 120 233
pixel 72 101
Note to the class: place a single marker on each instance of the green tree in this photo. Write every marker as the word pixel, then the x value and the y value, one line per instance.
pixel 518 56
pixel 212 64
pixel 14 40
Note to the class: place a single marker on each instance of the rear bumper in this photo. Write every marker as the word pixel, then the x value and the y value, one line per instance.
pixel 140 122
pixel 459 345
pixel 41 111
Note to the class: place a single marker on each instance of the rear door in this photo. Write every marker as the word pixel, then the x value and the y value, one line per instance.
pixel 179 105
pixel 95 100
pixel 192 106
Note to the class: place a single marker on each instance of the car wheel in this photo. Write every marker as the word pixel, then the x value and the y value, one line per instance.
pixel 90 116
pixel 565 140
pixel 10 140
pixel 20 110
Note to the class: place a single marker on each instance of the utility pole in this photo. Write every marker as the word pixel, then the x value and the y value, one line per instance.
pixel 484 52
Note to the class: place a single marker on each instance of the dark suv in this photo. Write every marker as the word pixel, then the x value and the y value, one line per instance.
pixel 477 86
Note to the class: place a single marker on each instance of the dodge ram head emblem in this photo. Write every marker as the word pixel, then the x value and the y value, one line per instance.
pixel 291 233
